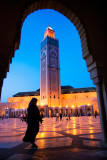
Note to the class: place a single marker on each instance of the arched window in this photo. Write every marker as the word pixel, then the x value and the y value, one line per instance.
pixel 54 96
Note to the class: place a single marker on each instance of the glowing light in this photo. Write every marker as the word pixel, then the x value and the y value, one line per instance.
pixel 67 126
pixel 41 104
pixel 88 104
pixel 74 132
pixel 72 106
pixel 49 32
pixel 66 106
pixel 59 106
pixel 53 106
pixel 91 131
pixel 42 134
pixel 74 125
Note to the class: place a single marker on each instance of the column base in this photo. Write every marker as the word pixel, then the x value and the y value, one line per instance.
pixel 103 144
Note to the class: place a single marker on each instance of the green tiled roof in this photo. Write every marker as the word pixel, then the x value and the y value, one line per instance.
pixel 78 90
pixel 64 90
pixel 23 94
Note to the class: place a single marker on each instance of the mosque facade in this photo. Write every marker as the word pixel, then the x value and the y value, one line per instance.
pixel 52 97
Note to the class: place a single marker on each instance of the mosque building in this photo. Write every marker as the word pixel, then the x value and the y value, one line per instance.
pixel 52 97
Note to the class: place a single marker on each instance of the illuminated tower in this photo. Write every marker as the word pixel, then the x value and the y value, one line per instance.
pixel 50 89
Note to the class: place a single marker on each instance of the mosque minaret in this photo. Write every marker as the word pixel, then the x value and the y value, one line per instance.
pixel 50 88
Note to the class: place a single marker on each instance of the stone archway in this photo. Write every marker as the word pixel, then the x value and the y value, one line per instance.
pixel 50 112
pixel 81 112
pixel 93 62
pixel 76 112
pixel 61 111
pixel 94 66
pixel 2 110
pixel 55 111
pixel 42 112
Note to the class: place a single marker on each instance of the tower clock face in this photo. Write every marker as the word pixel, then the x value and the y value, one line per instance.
pixel 53 54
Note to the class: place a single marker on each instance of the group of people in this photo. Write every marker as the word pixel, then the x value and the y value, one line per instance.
pixel 23 117
pixel 60 116
pixel 3 117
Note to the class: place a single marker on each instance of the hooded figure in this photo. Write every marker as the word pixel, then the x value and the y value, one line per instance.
pixel 33 119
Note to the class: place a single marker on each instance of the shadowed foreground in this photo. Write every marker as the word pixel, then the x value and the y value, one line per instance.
pixel 78 138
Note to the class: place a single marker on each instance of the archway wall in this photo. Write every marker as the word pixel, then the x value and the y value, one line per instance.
pixel 85 16
pixel 88 18
pixel 90 21
pixel 79 14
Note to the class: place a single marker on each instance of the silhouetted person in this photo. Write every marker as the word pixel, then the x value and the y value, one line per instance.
pixel 3 116
pixel 33 119
pixel 60 116
pixel 95 114
pixel 57 116
pixel 69 116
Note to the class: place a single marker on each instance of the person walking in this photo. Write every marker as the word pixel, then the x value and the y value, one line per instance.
pixel 69 116
pixel 33 119
pixel 60 116
pixel 57 116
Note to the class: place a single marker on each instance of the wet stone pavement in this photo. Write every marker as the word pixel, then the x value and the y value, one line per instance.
pixel 76 139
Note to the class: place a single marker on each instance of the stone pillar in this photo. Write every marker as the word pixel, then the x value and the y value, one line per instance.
pixel 96 73
pixel 1 83
pixel 92 110
pixel 46 111
pixel 102 111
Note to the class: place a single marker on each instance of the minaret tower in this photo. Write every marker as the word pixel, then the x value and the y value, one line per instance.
pixel 50 89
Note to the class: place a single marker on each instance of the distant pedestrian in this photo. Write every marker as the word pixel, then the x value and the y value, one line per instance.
pixel 33 119
pixel 69 116
pixel 60 116
pixel 95 114
pixel 57 116
pixel 3 117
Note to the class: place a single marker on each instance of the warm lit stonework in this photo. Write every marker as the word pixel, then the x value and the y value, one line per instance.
pixel 81 102
pixel 52 97
pixel 49 32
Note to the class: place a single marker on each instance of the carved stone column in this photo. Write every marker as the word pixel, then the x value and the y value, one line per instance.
pixel 96 74
pixel 98 81
pixel 103 120
pixel 1 83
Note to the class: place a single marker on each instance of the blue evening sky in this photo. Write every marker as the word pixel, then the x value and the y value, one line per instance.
pixel 24 72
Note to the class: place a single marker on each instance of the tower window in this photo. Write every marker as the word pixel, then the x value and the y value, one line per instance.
pixel 50 96
pixel 54 96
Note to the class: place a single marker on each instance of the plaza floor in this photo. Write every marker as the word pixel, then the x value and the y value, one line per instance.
pixel 76 139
